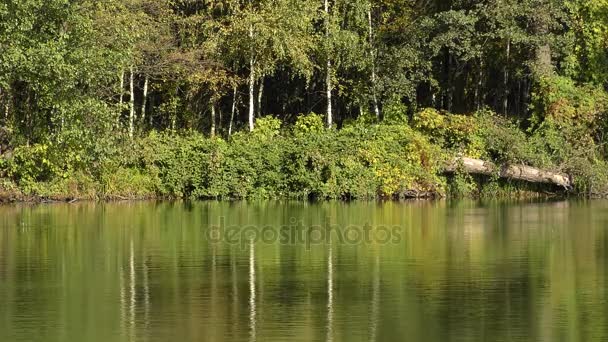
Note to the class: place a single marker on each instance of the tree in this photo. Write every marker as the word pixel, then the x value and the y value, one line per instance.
pixel 588 60
pixel 258 36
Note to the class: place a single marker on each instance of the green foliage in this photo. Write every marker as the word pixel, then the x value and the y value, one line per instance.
pixel 462 185
pixel 541 64
pixel 267 127
pixel 308 124
pixel 430 121
pixel 504 141
pixel 459 134
pixel 570 124
pixel 395 111
pixel 588 60
pixel 362 162
pixel 565 103
pixel 311 162
pixel 129 183
pixel 32 164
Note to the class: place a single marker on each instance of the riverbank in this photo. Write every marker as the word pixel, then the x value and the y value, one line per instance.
pixel 305 161
pixel 510 191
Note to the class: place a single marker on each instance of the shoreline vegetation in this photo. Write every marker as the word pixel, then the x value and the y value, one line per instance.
pixel 148 99
pixel 306 161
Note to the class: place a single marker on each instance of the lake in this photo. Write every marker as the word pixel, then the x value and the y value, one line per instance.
pixel 295 271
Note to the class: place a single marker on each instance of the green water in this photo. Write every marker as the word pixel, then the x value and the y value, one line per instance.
pixel 169 272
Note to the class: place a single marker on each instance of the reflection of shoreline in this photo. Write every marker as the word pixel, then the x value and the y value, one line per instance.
pixel 330 296
pixel 374 319
pixel 252 304
pixel 458 266
pixel 146 293
pixel 132 302
pixel 235 297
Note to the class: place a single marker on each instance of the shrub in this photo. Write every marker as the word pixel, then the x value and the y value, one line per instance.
pixel 129 183
pixel 458 134
pixel 32 164
pixel 307 124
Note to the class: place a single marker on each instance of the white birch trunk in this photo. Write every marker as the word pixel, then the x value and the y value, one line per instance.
pixel 144 100
pixel 251 85
pixel 131 104
pixel 373 60
pixel 328 80
pixel 121 93
pixel 505 101
pixel 260 95
pixel 329 89
pixel 122 87
pixel 212 120
pixel 232 112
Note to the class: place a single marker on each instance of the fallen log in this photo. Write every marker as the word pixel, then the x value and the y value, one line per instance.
pixel 509 171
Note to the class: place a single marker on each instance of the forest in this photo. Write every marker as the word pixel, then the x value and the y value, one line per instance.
pixel 323 99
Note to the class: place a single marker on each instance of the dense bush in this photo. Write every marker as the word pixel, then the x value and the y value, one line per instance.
pixel 306 161
pixel 566 134
pixel 362 160
pixel 569 125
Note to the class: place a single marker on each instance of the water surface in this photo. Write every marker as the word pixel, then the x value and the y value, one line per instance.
pixel 452 271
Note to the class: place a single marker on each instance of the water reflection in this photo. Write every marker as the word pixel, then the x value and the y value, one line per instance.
pixel 375 300
pixel 330 294
pixel 132 292
pixel 145 272
pixel 252 304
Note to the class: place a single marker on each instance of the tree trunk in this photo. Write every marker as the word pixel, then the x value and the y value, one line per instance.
pixel 251 85
pixel 517 172
pixel 505 84
pixel 518 100
pixel 544 66
pixel 122 87
pixel 449 92
pixel 526 96
pixel 234 99
pixel 151 114
pixel 144 100
pixel 329 90
pixel 220 118
pixel 328 80
pixel 479 87
pixel 121 94
pixel 173 112
pixel 373 62
pixel 212 133
pixel 260 96
pixel 131 104
pixel 7 99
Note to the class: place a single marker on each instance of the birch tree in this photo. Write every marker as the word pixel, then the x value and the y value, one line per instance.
pixel 131 102
pixel 372 54
pixel 264 34
pixel 328 56
pixel 345 45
